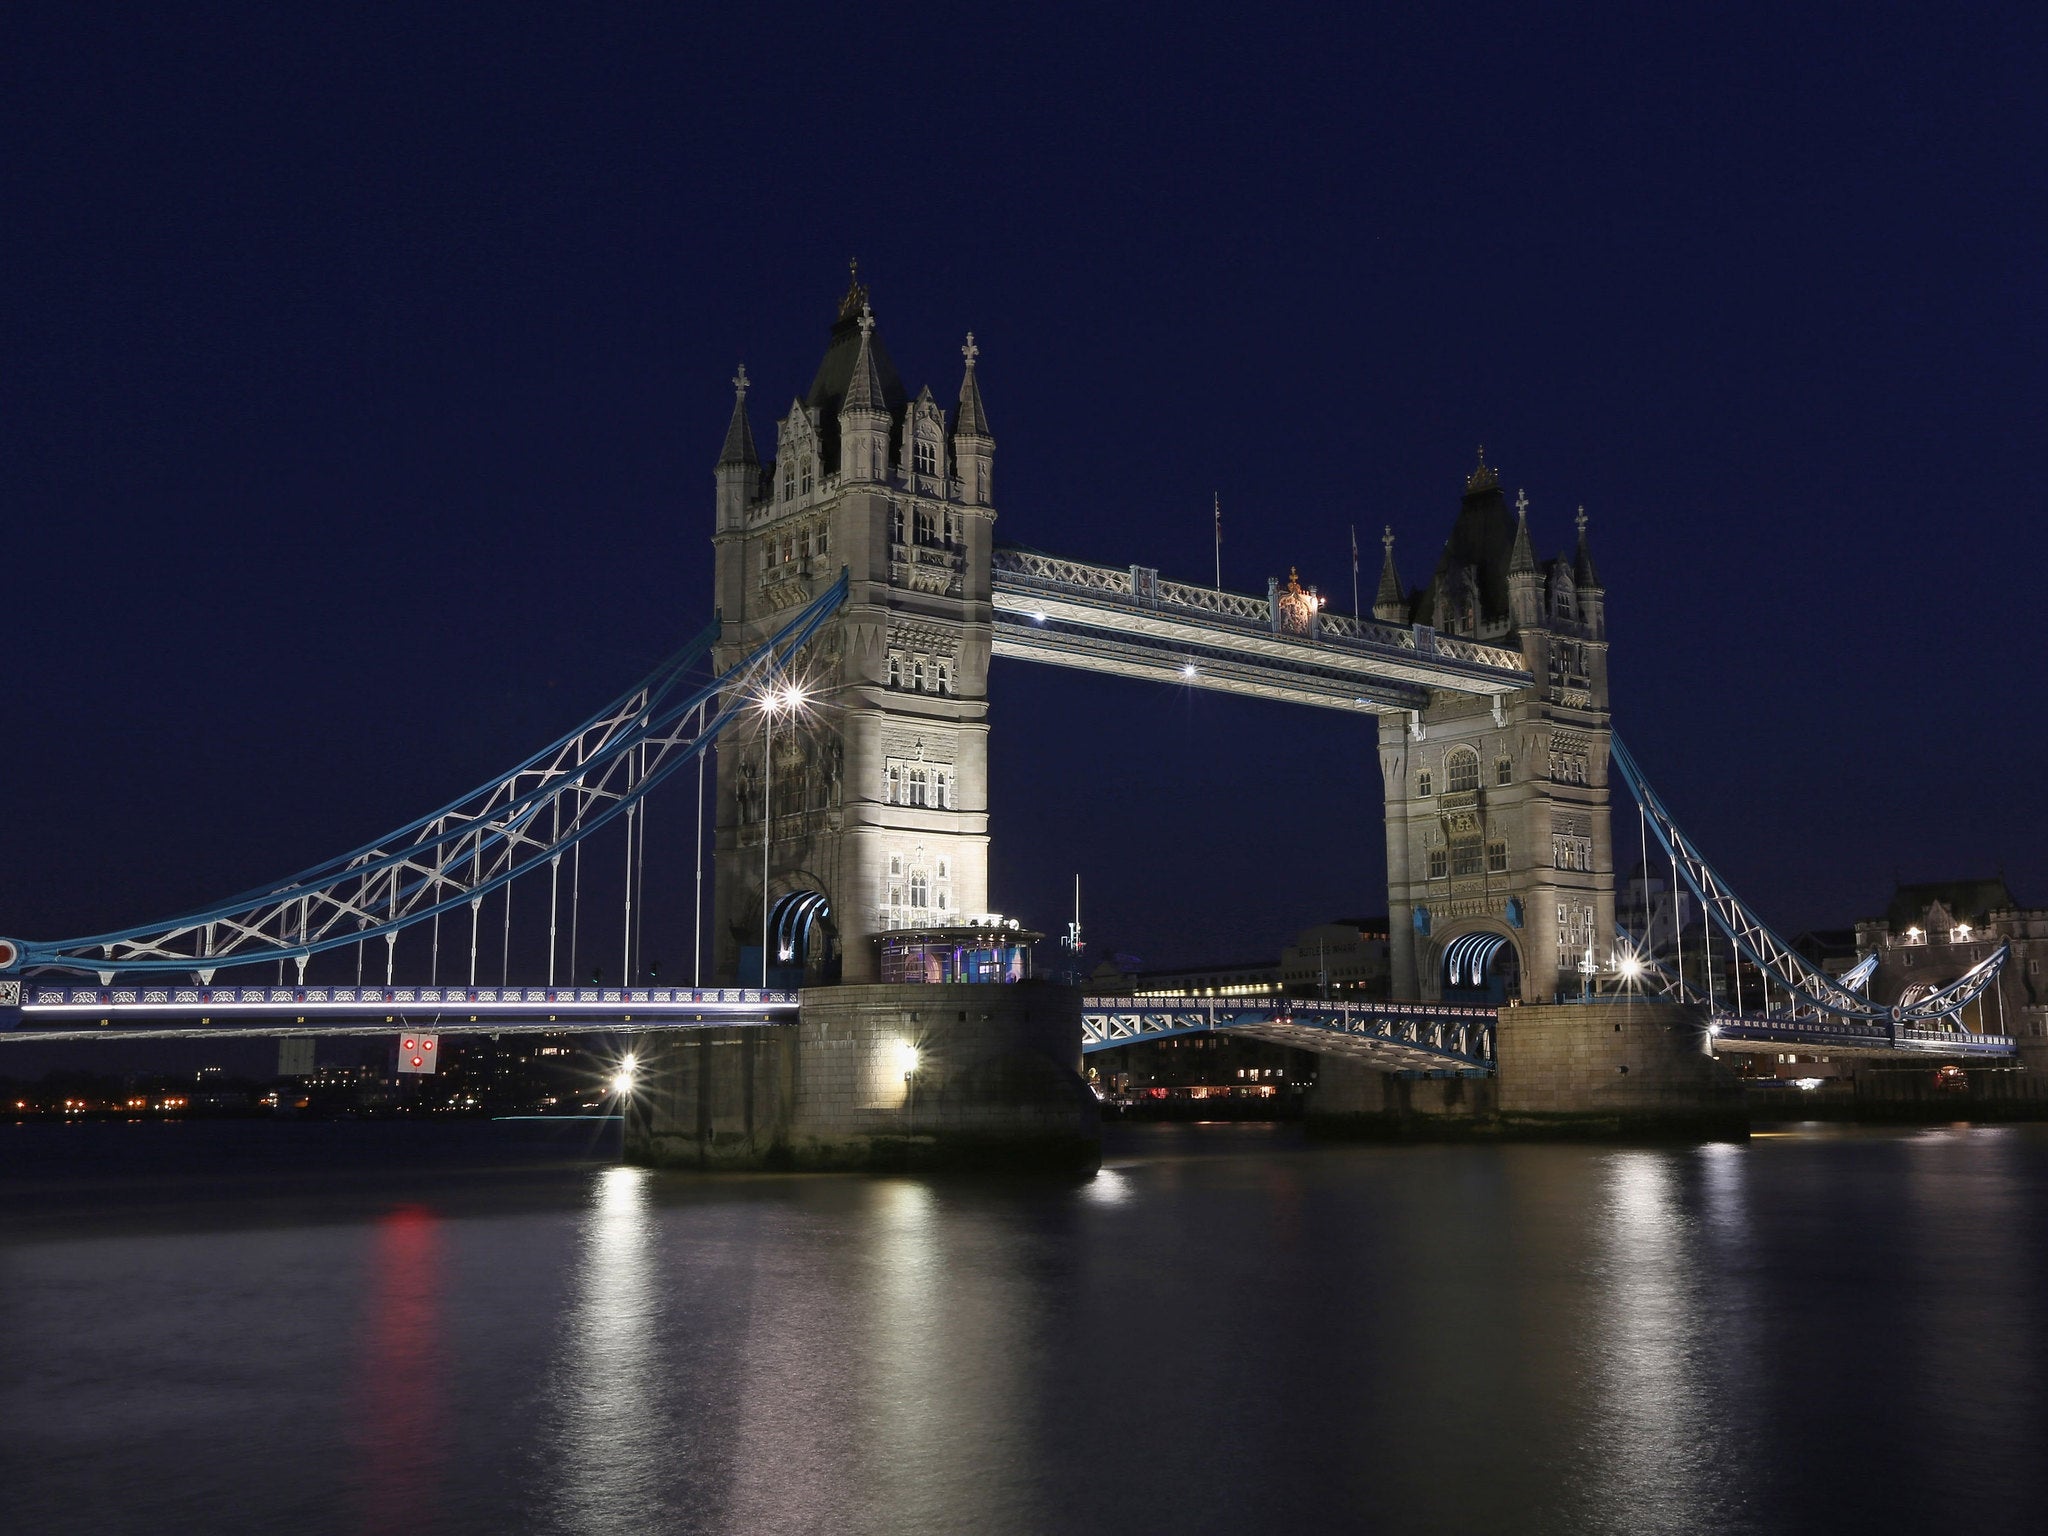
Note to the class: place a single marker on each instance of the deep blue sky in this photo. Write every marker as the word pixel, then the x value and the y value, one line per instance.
pixel 364 377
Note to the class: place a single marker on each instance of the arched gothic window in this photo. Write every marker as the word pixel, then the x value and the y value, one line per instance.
pixel 1461 769
pixel 1422 784
pixel 1504 771
pixel 920 889
pixel 927 457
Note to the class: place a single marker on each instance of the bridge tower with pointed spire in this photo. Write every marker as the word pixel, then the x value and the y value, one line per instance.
pixel 1500 858
pixel 877 817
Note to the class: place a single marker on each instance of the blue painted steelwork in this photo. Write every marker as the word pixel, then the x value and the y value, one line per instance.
pixel 1810 987
pixel 1393 1036
pixel 516 824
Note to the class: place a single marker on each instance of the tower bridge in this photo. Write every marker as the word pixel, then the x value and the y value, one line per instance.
pixel 860 596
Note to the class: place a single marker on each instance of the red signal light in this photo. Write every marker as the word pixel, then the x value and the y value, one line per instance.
pixel 418 1062
pixel 405 1045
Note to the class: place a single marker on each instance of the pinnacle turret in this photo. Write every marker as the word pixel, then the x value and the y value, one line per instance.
pixel 1388 605
pixel 865 391
pixel 970 420
pixel 739 435
pixel 1523 557
pixel 1582 567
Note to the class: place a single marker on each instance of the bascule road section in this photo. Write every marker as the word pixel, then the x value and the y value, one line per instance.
pixel 1392 1037
pixel 1283 646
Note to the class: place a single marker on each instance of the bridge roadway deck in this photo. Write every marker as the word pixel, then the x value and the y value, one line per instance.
pixel 1753 1033
pixel 1128 622
pixel 148 1010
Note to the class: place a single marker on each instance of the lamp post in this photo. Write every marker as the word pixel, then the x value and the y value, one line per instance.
pixel 622 1085
pixel 772 701
pixel 767 822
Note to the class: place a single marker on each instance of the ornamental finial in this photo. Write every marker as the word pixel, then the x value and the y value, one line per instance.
pixel 1387 539
pixel 970 351
pixel 867 318
pixel 1522 504
pixel 740 381
pixel 1482 478
pixel 1581 520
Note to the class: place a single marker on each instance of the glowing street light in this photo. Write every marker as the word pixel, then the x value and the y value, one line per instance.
pixel 622 1080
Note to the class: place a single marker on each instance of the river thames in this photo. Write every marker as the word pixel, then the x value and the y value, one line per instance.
pixel 363 1328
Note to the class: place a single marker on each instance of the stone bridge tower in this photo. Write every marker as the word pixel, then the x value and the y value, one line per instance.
pixel 1500 857
pixel 879 813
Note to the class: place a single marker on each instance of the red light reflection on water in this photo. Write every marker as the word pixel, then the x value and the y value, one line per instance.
pixel 398 1432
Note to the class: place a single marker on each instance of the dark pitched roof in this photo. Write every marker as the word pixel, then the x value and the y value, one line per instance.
pixel 835 373
pixel 1484 538
pixel 1966 900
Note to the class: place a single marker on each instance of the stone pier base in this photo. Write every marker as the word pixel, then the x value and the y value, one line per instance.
pixel 1630 1070
pixel 876 1077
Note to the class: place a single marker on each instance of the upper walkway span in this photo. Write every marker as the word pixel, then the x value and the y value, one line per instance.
pixel 1130 622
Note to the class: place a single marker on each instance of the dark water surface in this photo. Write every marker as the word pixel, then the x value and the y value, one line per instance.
pixel 253 1327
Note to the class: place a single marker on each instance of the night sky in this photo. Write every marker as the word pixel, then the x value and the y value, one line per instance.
pixel 363 380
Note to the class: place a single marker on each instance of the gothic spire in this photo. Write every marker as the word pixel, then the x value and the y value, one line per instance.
pixel 864 390
pixel 1389 594
pixel 1524 556
pixel 970 420
pixel 739 436
pixel 1582 568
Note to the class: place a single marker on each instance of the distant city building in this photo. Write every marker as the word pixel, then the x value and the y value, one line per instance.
pixel 1932 933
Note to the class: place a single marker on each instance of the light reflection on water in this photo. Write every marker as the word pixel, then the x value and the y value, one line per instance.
pixel 1222 1332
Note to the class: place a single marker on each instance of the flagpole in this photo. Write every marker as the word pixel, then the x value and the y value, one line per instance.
pixel 1354 573
pixel 1219 539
